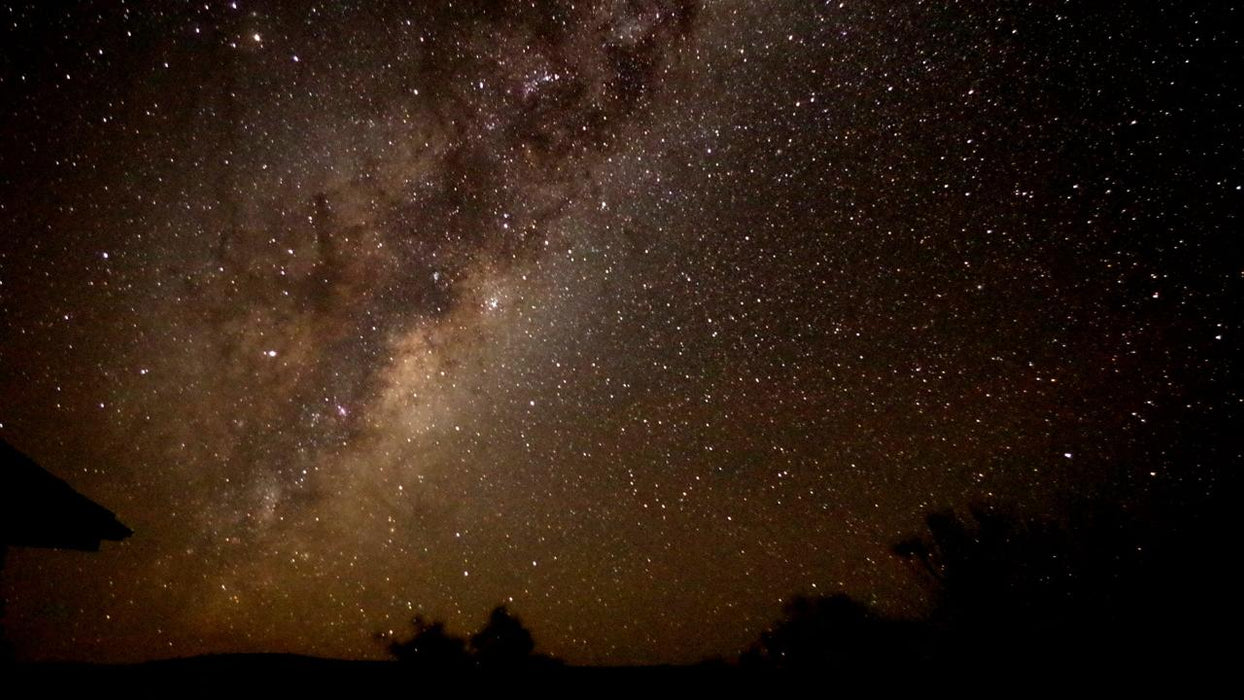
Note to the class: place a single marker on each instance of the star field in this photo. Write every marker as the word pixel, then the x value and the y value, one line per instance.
pixel 639 317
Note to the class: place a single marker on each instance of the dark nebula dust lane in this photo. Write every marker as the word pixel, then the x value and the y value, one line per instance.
pixel 640 316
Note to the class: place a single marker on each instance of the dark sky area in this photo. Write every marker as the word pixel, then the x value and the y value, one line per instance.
pixel 640 316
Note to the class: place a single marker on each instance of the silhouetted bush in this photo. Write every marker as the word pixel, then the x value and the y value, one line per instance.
pixel 502 644
pixel 1106 589
pixel 834 633
pixel 431 647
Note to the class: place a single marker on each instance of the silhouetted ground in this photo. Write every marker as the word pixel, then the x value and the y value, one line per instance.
pixel 290 676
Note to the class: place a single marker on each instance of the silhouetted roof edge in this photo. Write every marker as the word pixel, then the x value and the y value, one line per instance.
pixel 38 509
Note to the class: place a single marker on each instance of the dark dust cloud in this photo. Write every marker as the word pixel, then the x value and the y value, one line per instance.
pixel 639 316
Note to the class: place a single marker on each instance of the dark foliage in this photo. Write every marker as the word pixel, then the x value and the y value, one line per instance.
pixel 431 647
pixel 1107 590
pixel 834 633
pixel 502 644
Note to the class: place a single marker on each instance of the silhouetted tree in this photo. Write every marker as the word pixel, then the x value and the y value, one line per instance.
pixel 1103 589
pixel 503 642
pixel 1010 592
pixel 431 647
pixel 834 633
pixel 1109 587
pixel 994 570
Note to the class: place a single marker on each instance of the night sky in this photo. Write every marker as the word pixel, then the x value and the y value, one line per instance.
pixel 640 316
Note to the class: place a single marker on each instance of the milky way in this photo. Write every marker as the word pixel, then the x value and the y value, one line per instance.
pixel 639 316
